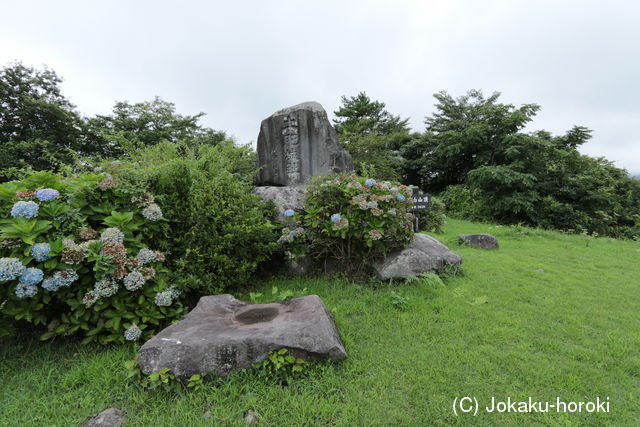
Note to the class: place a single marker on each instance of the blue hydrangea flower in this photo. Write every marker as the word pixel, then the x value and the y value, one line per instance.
pixel 47 194
pixel 40 251
pixel 164 299
pixel 152 212
pixel 289 213
pixel 370 182
pixel 24 209
pixel 90 298
pixel 146 255
pixel 113 235
pixel 68 276
pixel 106 288
pixel 24 290
pixel 31 276
pixel 134 280
pixel 175 293
pixel 52 284
pixel 60 279
pixel 132 333
pixel 400 198
pixel 10 269
pixel 335 217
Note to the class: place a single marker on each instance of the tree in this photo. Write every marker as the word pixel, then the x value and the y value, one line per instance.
pixel 463 134
pixel 38 125
pixel 40 129
pixel 475 154
pixel 371 134
pixel 359 116
pixel 148 123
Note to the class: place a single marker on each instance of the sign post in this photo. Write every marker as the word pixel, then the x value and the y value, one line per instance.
pixel 421 203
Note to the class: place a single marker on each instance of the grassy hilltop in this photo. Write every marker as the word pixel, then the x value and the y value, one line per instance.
pixel 547 315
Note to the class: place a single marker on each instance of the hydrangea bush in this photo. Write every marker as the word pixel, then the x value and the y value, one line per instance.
pixel 75 259
pixel 352 220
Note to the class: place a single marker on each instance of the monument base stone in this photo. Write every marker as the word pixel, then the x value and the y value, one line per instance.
pixel 289 197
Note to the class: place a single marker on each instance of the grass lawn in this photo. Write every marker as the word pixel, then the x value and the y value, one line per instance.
pixel 504 328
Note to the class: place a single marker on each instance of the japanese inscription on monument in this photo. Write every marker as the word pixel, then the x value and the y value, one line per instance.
pixel 291 149
pixel 297 143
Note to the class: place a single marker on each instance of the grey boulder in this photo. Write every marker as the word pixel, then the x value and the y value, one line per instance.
pixel 289 197
pixel 221 335
pixel 297 143
pixel 110 417
pixel 424 255
pixel 484 241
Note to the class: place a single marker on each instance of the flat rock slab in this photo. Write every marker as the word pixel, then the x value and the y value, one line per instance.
pixel 484 241
pixel 424 255
pixel 221 335
pixel 289 197
pixel 110 417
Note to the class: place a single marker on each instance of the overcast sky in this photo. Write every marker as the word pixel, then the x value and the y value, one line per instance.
pixel 239 61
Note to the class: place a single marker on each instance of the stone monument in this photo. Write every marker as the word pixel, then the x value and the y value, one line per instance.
pixel 297 143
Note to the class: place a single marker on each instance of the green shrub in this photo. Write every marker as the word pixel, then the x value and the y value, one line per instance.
pixel 433 219
pixel 218 231
pixel 463 202
pixel 76 261
pixel 282 366
pixel 351 220
pixel 161 380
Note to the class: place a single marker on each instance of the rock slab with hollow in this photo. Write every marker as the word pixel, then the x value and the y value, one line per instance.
pixel 222 334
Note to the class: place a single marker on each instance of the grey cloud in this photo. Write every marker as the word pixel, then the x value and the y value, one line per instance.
pixel 239 62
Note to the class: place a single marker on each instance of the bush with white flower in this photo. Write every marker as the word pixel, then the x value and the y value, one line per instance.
pixel 352 220
pixel 75 259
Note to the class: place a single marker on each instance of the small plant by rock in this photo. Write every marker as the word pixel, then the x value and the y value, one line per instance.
pixel 398 301
pixel 282 366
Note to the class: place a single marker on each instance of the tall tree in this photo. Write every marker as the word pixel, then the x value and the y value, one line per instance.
pixel 463 134
pixel 371 134
pixel 475 153
pixel 359 116
pixel 149 123
pixel 38 125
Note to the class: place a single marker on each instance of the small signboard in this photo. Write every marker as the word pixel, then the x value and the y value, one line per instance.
pixel 421 203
